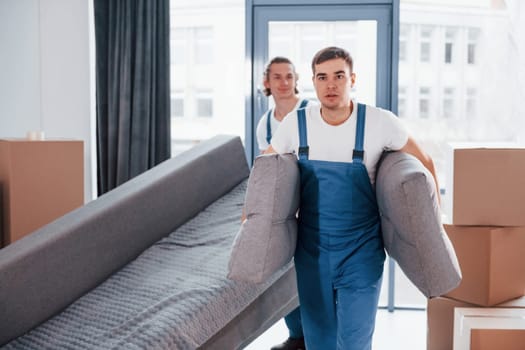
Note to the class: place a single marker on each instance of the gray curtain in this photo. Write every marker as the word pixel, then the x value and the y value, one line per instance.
pixel 133 91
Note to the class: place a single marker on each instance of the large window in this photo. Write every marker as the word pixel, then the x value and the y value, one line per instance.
pixel 453 97
pixel 460 83
pixel 459 65
pixel 207 70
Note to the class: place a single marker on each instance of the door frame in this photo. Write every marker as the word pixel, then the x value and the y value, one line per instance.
pixel 385 12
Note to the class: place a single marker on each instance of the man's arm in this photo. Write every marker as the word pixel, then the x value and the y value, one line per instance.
pixel 411 147
pixel 269 150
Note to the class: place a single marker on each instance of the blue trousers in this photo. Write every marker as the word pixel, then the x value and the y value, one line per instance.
pixel 336 317
pixel 293 322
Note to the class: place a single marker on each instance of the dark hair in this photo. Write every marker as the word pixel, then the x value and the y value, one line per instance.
pixel 331 53
pixel 278 59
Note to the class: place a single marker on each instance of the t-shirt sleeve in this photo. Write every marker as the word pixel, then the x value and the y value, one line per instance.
pixel 395 132
pixel 261 133
pixel 283 139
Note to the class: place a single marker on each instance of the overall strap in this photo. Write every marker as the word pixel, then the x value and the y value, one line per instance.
pixel 303 103
pixel 358 153
pixel 268 126
pixel 303 142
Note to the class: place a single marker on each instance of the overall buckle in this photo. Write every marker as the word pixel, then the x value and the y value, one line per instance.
pixel 303 151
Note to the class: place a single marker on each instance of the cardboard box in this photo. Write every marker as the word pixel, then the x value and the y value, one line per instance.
pixel 440 320
pixel 468 319
pixel 503 339
pixel 485 186
pixel 40 181
pixel 492 261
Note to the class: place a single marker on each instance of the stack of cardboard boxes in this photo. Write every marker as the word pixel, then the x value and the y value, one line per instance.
pixel 485 204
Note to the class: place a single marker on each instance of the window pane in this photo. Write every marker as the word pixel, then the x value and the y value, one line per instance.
pixel 178 46
pixel 448 52
pixel 473 35
pixel 402 102
pixel 204 107
pixel 448 103
pixel 424 102
pixel 177 107
pixel 426 32
pixel 423 108
pixel 425 52
pixel 204 104
pixel 471 54
pixel 304 39
pixel 425 37
pixel 311 38
pixel 471 102
pixel 402 50
pixel 207 77
pixel 204 45
pixel 464 108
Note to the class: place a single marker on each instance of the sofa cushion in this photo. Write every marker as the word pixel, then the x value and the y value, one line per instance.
pixel 266 240
pixel 411 222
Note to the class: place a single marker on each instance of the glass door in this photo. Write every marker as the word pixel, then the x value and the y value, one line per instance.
pixel 297 30
pixel 300 40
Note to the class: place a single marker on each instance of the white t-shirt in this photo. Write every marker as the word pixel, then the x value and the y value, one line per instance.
pixel 274 123
pixel 383 131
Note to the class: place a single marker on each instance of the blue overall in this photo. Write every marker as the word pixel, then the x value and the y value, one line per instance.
pixel 269 125
pixel 339 256
pixel 293 319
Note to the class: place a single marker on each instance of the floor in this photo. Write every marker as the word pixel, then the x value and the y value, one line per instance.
pixel 399 330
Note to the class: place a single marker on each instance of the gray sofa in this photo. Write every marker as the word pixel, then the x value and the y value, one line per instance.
pixel 143 266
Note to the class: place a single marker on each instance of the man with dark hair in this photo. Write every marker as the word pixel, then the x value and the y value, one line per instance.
pixel 339 256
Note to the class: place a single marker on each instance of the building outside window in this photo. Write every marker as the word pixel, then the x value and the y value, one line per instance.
pixel 207 70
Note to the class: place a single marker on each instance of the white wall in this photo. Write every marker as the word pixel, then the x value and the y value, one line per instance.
pixel 46 73
pixel 19 67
